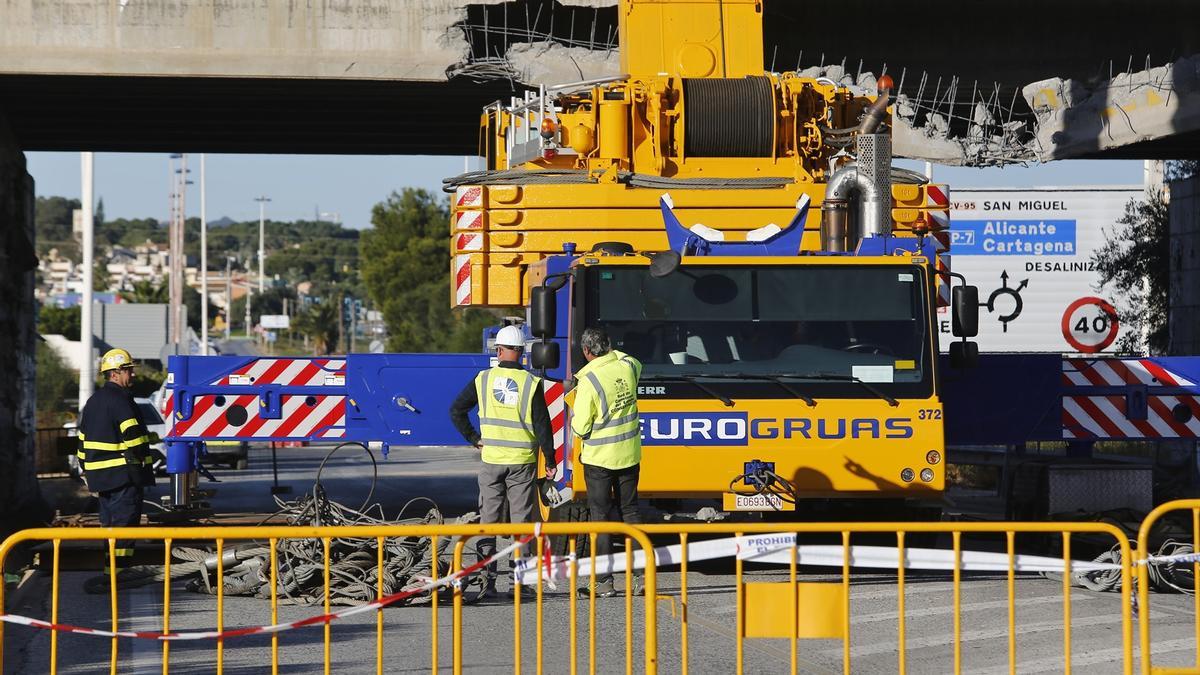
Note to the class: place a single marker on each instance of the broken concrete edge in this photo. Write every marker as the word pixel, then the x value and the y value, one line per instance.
pixel 1075 118
pixel 1070 118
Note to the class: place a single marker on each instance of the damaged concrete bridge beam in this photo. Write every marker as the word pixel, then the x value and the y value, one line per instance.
pixel 1075 119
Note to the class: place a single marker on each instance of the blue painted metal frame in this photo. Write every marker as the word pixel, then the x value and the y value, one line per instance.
pixel 374 387
pixel 1011 399
pixel 786 242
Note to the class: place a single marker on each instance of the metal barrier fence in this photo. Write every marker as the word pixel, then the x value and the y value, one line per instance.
pixel 792 610
pixel 763 612
pixel 525 536
pixel 1144 581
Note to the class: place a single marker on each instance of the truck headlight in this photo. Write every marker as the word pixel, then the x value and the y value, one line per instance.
pixel 927 475
pixel 933 457
pixel 907 475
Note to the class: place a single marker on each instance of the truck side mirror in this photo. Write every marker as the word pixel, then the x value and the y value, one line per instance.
pixel 965 312
pixel 543 319
pixel 664 264
pixel 964 355
pixel 544 355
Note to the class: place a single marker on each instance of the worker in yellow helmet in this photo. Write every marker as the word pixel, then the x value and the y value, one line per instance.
pixel 513 424
pixel 605 417
pixel 115 449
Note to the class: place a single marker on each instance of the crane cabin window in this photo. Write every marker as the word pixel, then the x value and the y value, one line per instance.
pixel 741 324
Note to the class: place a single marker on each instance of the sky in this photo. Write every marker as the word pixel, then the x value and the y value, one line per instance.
pixel 134 185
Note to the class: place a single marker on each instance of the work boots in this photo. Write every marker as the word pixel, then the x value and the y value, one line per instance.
pixel 604 589
pixel 639 585
pixel 489 589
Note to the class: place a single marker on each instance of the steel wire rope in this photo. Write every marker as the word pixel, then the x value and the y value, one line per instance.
pixel 300 579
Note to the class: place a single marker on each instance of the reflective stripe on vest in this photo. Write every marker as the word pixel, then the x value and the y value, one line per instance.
pixel 98 455
pixel 615 441
pixel 506 415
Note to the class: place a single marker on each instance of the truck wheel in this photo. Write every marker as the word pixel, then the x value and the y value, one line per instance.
pixel 572 512
pixel 613 248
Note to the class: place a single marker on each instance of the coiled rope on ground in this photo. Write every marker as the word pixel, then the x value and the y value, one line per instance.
pixel 1166 576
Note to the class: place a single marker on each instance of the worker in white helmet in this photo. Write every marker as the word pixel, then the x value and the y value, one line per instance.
pixel 513 424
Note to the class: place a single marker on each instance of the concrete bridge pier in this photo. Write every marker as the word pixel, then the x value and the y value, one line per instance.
pixel 20 499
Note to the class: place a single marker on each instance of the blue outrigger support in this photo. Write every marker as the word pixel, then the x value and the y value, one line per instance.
pixel 379 400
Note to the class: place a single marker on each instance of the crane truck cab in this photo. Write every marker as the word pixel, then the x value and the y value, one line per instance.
pixel 768 377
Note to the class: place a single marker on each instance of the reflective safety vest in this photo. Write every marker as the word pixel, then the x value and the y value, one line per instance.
pixel 505 398
pixel 114 445
pixel 606 412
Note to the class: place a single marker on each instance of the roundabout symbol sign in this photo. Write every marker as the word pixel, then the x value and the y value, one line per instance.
pixel 1090 325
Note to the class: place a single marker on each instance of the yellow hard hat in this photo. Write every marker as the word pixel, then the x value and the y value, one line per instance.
pixel 115 358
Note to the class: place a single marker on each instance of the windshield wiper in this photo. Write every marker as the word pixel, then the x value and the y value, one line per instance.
pixel 845 378
pixel 770 378
pixel 691 379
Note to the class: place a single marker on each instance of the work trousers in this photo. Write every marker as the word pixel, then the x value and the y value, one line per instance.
pixel 606 489
pixel 502 485
pixel 121 507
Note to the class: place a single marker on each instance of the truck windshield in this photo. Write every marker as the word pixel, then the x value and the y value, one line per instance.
pixel 865 322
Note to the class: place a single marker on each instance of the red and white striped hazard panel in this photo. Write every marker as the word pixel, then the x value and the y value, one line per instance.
pixel 290 372
pixel 943 279
pixel 315 412
pixel 462 279
pixel 557 407
pixel 468 220
pixel 937 201
pixel 468 196
pixel 1126 398
pixel 468 241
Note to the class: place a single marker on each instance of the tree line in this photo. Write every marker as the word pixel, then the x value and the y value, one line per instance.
pixel 400 266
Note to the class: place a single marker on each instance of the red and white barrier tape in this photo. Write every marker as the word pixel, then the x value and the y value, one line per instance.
pixel 454 579
pixel 1178 558
pixel 776 549
pixel 766 548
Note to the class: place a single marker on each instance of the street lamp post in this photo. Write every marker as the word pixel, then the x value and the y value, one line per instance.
pixel 249 293
pixel 177 282
pixel 228 295
pixel 203 263
pixel 86 382
pixel 262 219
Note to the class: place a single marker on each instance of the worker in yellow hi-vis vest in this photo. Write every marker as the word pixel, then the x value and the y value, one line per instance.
pixel 513 424
pixel 605 416
pixel 114 449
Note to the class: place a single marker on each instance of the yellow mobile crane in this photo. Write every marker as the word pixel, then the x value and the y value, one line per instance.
pixel 744 235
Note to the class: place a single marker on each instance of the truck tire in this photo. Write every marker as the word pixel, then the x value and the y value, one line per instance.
pixel 571 512
pixel 613 248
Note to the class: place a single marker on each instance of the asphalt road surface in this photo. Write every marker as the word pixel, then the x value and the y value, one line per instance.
pixel 489 633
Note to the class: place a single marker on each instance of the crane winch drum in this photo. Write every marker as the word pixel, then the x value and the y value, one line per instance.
pixel 729 117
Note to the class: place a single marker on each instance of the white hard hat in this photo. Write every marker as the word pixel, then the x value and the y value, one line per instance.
pixel 510 336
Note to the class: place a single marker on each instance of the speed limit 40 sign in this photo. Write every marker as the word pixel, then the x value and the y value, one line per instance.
pixel 1090 325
